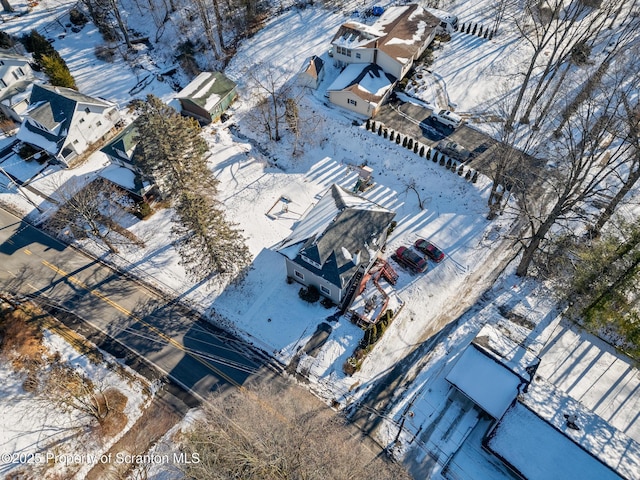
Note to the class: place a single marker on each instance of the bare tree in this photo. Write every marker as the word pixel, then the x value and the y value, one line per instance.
pixel 578 173
pixel 6 6
pixel 270 92
pixel 553 27
pixel 264 432
pixel 94 210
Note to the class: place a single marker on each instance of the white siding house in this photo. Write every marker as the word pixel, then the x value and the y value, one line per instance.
pixel 16 78
pixel 361 88
pixel 65 123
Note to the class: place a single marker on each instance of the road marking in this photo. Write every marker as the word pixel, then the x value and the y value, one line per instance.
pixel 129 314
pixel 27 251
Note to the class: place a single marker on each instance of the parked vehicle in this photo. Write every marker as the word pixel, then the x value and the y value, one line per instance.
pixel 454 150
pixel 429 249
pixel 448 118
pixel 409 258
pixel 448 21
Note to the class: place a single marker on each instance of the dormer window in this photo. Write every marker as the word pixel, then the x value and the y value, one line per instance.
pixel 86 110
pixel 81 120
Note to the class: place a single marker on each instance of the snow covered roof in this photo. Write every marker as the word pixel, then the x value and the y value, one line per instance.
pixel 510 353
pixel 484 380
pixel 400 32
pixel 538 451
pixel 366 80
pixel 207 89
pixel 595 435
pixel 407 29
pixel 16 92
pixel 356 35
pixel 48 120
pixel 121 147
pixel 341 227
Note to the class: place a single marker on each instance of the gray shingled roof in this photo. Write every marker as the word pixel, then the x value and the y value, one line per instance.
pixel 354 229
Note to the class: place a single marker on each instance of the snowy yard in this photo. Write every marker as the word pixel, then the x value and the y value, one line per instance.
pixel 41 437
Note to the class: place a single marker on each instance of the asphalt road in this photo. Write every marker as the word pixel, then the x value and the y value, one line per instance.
pixel 192 353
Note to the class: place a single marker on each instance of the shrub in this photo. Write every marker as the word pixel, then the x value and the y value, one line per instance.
pixel 468 175
pixel 309 294
pixel 327 303
pixel 6 40
pixel 385 133
pixel 368 125
pixel 77 17
pixel 392 136
pixel 442 162
pixel 474 179
pixel 461 170
pixel 57 71
pixel 144 210
pixel 422 151
pixel 392 227
pixel 448 165
pixel 410 144
pixel 398 139
pixel 454 167
pixel 404 141
pixel 104 53
pixel 27 151
pixel 416 147
pixel 380 130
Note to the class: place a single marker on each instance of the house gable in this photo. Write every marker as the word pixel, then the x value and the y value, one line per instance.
pixel 401 34
pixel 341 234
pixel 65 122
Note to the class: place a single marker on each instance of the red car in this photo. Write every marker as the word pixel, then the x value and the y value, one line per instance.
pixel 411 259
pixel 429 249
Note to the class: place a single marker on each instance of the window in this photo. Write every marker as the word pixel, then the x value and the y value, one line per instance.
pixel 98 123
pixel 15 75
pixel 20 71
pixel 352 101
pixel 298 274
pixel 325 290
pixel 357 55
pixel 75 142
pixel 348 52
pixel 81 120
pixel 2 83
pixel 86 110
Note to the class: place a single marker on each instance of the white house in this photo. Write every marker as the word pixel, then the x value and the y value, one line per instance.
pixel 65 123
pixel 16 78
pixel 362 88
pixel 393 42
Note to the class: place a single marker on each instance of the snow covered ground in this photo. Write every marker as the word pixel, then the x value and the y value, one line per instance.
pixel 264 308
pixel 40 436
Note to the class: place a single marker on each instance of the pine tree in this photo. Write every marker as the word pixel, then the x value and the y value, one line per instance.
pixel 171 150
pixel 56 69
pixel 207 243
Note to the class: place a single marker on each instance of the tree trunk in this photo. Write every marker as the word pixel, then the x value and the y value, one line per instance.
pixel 121 25
pixel 220 23
pixel 6 6
pixel 523 89
pixel 608 211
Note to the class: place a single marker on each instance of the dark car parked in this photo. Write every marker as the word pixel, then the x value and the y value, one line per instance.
pixel 429 249
pixel 411 259
pixel 454 150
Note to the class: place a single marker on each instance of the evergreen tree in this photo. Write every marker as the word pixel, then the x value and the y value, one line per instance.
pixel 208 244
pixel 56 69
pixel 171 150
